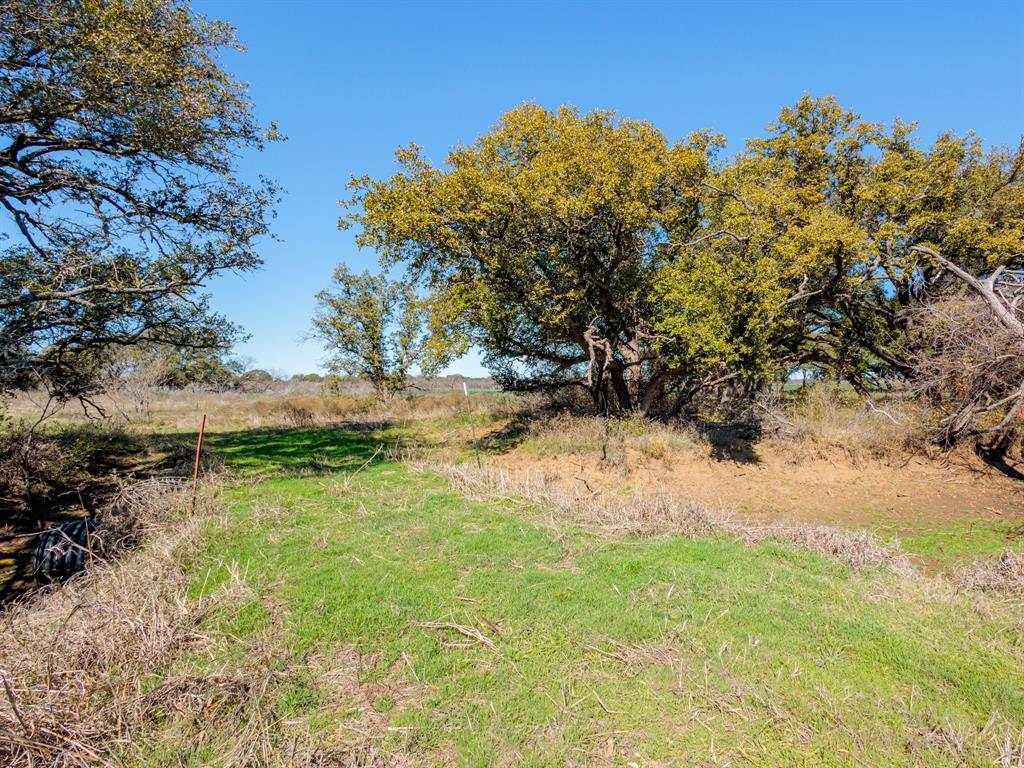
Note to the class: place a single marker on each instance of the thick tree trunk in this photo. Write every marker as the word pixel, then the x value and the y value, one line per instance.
pixel 683 401
pixel 655 389
pixel 618 380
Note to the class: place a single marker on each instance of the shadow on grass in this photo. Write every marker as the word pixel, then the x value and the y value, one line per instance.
pixel 321 450
pixel 509 436
pixel 312 450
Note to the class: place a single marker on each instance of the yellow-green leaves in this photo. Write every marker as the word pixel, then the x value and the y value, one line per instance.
pixel 588 249
pixel 550 222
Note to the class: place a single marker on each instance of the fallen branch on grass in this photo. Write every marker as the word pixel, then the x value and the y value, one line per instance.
pixel 471 632
pixel 348 478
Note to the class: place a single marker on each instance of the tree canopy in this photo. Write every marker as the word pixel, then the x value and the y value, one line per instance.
pixel 119 134
pixel 835 210
pixel 587 250
pixel 541 240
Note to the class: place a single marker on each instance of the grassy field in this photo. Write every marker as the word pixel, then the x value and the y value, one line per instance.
pixel 413 625
pixel 338 604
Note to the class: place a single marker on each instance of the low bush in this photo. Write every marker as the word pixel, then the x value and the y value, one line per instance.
pixel 310 410
pixel 566 433
pixel 823 418
pixel 970 369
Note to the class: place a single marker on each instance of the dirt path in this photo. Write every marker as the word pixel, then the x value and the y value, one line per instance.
pixel 826 491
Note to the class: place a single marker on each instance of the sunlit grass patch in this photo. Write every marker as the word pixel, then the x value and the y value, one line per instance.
pixel 949 542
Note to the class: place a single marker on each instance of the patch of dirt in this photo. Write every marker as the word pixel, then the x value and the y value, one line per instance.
pixel 777 488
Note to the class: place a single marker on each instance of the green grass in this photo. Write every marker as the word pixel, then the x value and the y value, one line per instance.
pixel 959 541
pixel 611 650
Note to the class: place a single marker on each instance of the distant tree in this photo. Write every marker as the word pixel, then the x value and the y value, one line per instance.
pixel 119 133
pixel 214 369
pixel 256 380
pixel 257 374
pixel 374 328
pixel 134 373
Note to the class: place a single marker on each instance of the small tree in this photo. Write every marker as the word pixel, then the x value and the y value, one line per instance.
pixel 256 380
pixel 132 376
pixel 375 328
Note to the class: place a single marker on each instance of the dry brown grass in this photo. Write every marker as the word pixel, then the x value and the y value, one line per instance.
pixel 1004 573
pixel 823 419
pixel 659 512
pixel 122 660
pixel 566 433
pixel 90 669
pixel 180 410
pixel 241 410
pixel 343 677
pixel 76 658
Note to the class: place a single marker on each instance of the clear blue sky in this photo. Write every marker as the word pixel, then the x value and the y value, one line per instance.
pixel 348 83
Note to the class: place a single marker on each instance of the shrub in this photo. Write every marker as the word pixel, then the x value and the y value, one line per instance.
pixel 825 417
pixel 40 470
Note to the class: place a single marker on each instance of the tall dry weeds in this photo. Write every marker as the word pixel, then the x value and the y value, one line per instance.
pixel 823 419
pixel 567 433
pixel 121 660
pixel 75 657
pixel 88 667
pixel 180 409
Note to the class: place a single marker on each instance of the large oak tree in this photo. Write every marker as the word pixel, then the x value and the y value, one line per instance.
pixel 540 242
pixel 586 249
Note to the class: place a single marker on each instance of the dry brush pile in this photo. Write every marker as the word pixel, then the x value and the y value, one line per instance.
pixel 971 369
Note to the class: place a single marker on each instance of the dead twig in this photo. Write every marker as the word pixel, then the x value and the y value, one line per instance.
pixel 466 631
pixel 345 483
